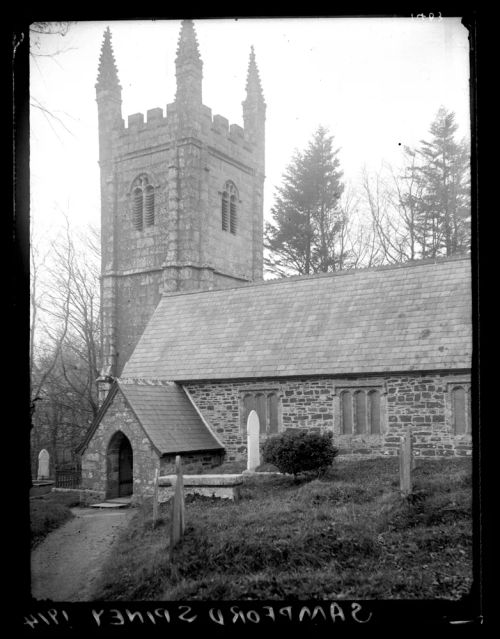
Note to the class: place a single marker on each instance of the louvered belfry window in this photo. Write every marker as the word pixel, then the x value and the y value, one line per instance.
pixel 143 203
pixel 229 208
pixel 225 211
pixel 232 214
pixel 149 205
pixel 138 208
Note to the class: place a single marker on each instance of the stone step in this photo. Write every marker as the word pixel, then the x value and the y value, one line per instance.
pixel 112 503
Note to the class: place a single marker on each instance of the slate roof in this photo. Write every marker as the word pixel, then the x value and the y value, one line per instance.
pixel 168 417
pixel 166 414
pixel 409 317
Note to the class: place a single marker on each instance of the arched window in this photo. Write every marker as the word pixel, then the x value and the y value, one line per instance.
pixel 346 410
pixel 232 214
pixel 149 205
pixel 374 411
pixel 360 411
pixel 138 208
pixel 143 202
pixel 272 412
pixel 229 208
pixel 266 404
pixel 460 399
pixel 225 211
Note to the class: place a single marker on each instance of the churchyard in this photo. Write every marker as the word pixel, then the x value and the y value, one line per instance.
pixel 49 511
pixel 348 534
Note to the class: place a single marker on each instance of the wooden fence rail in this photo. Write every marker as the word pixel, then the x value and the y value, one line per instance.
pixel 155 498
pixel 178 517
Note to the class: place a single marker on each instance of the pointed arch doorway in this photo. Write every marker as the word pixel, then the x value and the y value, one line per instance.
pixel 120 467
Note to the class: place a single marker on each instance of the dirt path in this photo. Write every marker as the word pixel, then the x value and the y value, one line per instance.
pixel 65 565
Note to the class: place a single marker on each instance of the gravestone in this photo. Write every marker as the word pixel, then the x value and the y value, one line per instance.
pixel 253 443
pixel 43 464
pixel 405 464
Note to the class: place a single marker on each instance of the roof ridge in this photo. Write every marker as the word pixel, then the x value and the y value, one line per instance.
pixel 331 274
pixel 144 381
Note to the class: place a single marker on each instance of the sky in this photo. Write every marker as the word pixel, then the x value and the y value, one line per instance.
pixel 375 83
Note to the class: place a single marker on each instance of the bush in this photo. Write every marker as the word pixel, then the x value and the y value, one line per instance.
pixel 298 452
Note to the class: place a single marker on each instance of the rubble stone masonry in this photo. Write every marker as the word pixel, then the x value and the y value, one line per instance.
pixel 120 418
pixel 420 401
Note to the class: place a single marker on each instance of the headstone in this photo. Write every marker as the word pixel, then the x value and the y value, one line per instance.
pixel 43 464
pixel 405 464
pixel 253 441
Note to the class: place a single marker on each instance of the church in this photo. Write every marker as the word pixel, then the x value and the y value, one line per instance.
pixel 193 337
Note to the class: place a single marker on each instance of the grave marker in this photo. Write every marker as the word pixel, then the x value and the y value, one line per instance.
pixel 253 441
pixel 43 464
pixel 405 464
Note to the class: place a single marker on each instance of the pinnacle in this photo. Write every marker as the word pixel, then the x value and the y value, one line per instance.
pixel 187 48
pixel 253 86
pixel 107 75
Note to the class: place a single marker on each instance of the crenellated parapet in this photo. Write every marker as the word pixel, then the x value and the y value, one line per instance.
pixel 216 131
pixel 181 197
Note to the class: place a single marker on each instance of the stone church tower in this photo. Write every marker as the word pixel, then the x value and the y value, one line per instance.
pixel 181 198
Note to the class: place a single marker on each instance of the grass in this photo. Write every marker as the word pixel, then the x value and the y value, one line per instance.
pixel 49 511
pixel 346 535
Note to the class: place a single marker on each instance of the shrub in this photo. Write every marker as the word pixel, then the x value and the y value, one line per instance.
pixel 298 452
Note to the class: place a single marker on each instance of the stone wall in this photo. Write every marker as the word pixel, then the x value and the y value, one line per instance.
pixel 136 299
pixel 192 463
pixel 421 401
pixel 119 417
pixel 188 174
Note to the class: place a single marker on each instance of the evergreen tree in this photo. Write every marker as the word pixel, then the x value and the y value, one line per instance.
pixel 443 171
pixel 305 236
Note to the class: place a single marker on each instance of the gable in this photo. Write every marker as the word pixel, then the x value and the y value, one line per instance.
pixel 409 317
pixel 166 415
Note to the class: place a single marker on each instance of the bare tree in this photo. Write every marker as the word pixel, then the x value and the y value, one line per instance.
pixel 65 340
pixel 38 33
pixel 44 336
pixel 391 197
pixel 422 208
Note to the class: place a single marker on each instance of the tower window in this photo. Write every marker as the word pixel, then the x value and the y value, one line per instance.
pixel 229 208
pixel 225 212
pixel 143 203
pixel 232 214
pixel 149 205
pixel 138 208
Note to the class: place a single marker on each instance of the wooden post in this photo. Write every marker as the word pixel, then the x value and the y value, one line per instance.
pixel 155 499
pixel 178 518
pixel 405 464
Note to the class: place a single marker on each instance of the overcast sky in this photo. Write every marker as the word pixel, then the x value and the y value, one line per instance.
pixel 375 83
